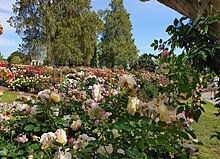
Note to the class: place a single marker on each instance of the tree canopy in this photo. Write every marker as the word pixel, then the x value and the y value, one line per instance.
pixel 117 46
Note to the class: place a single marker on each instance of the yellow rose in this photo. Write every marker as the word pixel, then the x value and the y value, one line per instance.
pixel 105 150
pixel 164 113
pixel 55 97
pixel 76 124
pixel 133 105
pixel 61 136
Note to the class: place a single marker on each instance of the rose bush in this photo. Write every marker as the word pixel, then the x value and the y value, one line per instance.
pixel 98 113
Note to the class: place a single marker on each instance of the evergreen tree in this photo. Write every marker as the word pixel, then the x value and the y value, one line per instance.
pixel 66 30
pixel 117 46
pixel 28 26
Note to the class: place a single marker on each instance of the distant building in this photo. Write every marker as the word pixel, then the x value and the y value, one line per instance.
pixel 36 63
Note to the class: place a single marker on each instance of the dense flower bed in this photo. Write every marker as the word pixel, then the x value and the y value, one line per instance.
pixel 97 113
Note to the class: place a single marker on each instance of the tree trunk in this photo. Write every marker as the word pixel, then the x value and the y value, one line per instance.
pixel 194 8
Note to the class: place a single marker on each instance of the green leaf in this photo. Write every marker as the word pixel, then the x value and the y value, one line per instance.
pixel 35 146
pixel 45 129
pixel 170 149
pixel 156 41
pixel 3 152
pixel 29 127
pixel 197 115
pixel 141 145
pixel 162 139
pixel 192 134
pixel 184 135
pixel 87 149
pixel 37 156
pixel 37 129
pixel 176 21
pixel 144 122
pixel 162 123
pixel 180 110
pixel 169 28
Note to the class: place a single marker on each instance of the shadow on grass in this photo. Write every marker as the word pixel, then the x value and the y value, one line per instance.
pixel 8 97
pixel 208 123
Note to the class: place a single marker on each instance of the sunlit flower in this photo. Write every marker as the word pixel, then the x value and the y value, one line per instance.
pixel 62 155
pixel 55 97
pixel 105 150
pixel 133 105
pixel 121 151
pixel 83 141
pixel 164 113
pixel 115 133
pixel 127 81
pixel 47 139
pixel 35 138
pixel 76 124
pixel 96 92
pixel 22 139
pixel 61 136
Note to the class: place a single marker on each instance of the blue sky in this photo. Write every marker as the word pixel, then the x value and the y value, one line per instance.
pixel 149 21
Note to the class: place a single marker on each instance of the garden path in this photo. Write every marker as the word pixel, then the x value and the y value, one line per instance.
pixel 206 96
pixel 19 93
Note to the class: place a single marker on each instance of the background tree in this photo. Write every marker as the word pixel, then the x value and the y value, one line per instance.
pixel 64 30
pixel 28 25
pixel 1 56
pixel 19 58
pixel 117 46
pixel 146 62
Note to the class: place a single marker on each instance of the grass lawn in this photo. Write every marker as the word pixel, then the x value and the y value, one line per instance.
pixel 8 97
pixel 208 123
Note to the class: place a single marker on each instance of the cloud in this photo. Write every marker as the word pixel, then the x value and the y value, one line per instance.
pixel 5 13
pixel 4 42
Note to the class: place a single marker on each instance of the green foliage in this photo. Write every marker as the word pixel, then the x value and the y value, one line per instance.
pixel 194 38
pixel 18 58
pixel 146 62
pixel 1 56
pixel 117 47
pixel 200 55
pixel 63 31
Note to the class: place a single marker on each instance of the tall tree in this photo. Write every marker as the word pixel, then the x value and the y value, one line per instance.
pixel 63 29
pixel 117 46
pixel 29 26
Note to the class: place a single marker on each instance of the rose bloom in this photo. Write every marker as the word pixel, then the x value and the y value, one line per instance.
pixel 62 155
pixel 133 105
pixel 164 113
pixel 22 139
pixel 55 97
pixel 61 136
pixel 82 141
pixel 127 80
pixel 115 133
pixel 96 92
pixel 48 138
pixel 76 124
pixel 105 150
